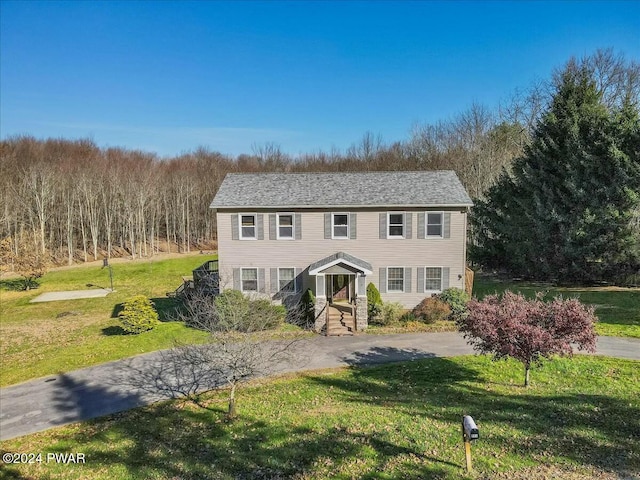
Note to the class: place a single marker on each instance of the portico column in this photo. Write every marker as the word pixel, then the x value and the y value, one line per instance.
pixel 362 320
pixel 321 303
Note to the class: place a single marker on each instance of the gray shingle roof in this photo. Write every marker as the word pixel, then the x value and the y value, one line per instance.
pixel 341 256
pixel 374 189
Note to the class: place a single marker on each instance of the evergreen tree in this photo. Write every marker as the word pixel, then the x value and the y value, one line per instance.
pixel 568 211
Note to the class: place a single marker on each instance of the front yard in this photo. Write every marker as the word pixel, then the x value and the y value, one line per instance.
pixel 47 338
pixel 578 420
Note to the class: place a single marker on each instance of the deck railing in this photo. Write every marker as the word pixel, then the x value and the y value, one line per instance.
pixel 204 270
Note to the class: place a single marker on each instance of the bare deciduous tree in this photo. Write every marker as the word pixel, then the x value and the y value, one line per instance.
pixel 243 344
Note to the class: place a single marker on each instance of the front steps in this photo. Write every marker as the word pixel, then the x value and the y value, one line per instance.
pixel 340 320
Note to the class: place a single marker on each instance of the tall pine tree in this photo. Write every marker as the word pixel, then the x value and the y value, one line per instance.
pixel 569 209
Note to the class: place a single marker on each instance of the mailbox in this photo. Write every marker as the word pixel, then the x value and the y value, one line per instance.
pixel 470 428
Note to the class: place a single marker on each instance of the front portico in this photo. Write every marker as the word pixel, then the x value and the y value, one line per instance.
pixel 340 289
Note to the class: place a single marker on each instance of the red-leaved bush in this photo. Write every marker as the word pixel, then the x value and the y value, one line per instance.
pixel 528 330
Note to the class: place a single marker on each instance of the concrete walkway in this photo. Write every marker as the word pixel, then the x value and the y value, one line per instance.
pixel 91 392
pixel 71 295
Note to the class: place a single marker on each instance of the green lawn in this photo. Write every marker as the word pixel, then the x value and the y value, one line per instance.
pixel 618 309
pixel 579 419
pixel 44 338
pixel 47 338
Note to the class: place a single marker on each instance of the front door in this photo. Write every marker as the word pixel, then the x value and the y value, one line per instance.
pixel 339 287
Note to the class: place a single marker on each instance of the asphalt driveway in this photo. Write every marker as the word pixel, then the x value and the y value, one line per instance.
pixel 108 388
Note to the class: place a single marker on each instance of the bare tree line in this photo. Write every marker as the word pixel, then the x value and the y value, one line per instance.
pixel 84 203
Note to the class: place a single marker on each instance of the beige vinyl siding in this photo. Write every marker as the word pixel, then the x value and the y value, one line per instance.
pixel 413 253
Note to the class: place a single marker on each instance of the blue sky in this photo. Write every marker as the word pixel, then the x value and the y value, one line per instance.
pixel 171 76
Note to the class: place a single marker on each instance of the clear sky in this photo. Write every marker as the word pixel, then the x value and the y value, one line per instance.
pixel 171 76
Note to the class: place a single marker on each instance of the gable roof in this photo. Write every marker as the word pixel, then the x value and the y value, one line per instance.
pixel 363 189
pixel 338 258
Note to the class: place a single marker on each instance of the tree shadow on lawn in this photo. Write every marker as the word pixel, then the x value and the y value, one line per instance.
pixel 171 443
pixel 173 440
pixel 589 429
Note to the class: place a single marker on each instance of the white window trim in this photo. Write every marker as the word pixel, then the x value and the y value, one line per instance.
pixel 333 237
pixel 242 281
pixel 293 226
pixel 426 226
pixel 295 286
pixel 403 282
pixel 404 225
pixel 255 226
pixel 426 290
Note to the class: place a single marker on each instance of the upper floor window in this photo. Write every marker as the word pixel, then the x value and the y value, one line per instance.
pixel 433 278
pixel 434 224
pixel 286 280
pixel 395 225
pixel 249 279
pixel 340 225
pixel 285 225
pixel 395 279
pixel 248 226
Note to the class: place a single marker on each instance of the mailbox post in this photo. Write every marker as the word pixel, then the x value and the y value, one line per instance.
pixel 469 432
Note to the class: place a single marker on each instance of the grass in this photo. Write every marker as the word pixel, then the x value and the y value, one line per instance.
pixel 44 338
pixel 579 420
pixel 47 338
pixel 618 309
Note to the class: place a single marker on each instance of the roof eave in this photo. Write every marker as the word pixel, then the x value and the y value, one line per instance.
pixel 323 207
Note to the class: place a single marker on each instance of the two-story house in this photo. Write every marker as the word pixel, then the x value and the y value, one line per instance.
pixel 281 233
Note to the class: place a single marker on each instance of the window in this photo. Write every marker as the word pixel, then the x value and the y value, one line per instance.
pixel 286 280
pixel 248 226
pixel 285 225
pixel 395 223
pixel 433 278
pixel 434 224
pixel 395 279
pixel 340 225
pixel 249 279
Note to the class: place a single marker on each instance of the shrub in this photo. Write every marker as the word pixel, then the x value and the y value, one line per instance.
pixel 457 301
pixel 138 315
pixel 431 310
pixel 390 312
pixel 308 309
pixel 408 317
pixel 263 315
pixel 231 311
pixel 374 302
